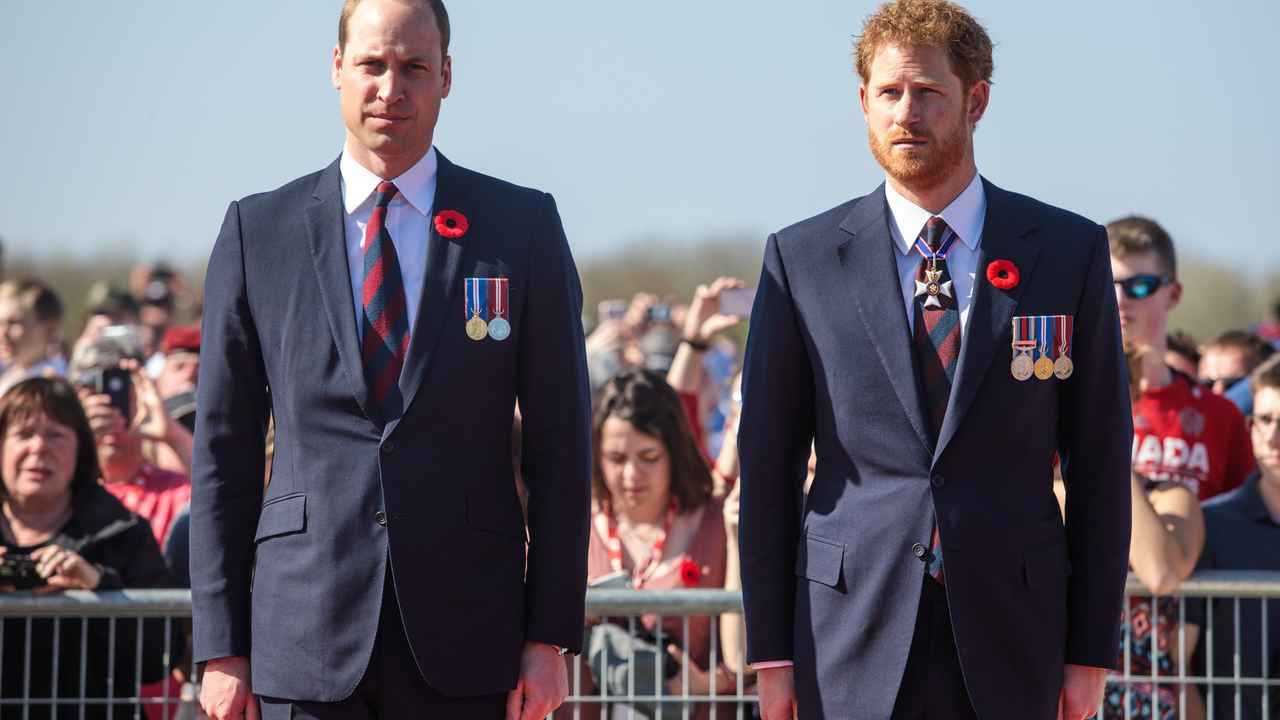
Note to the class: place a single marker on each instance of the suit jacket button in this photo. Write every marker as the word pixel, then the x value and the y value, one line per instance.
pixel 938 481
pixel 388 447
pixel 919 550
pixel 381 517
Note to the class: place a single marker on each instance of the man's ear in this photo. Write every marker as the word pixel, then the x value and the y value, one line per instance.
pixel 862 98
pixel 336 70
pixel 1175 294
pixel 446 70
pixel 979 96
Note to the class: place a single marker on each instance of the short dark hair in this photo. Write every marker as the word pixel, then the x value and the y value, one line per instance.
pixel 1266 375
pixel 437 9
pixel 1245 342
pixel 57 399
pixel 644 399
pixel 1136 235
pixel 1181 342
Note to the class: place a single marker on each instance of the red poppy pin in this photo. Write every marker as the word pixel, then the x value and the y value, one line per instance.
pixel 451 224
pixel 1002 274
pixel 690 573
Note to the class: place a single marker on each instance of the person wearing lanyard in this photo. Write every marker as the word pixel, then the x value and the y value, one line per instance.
pixel 655 522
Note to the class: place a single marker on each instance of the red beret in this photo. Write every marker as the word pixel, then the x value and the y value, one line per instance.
pixel 181 338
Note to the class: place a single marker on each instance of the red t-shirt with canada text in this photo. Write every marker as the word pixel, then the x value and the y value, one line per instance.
pixel 1184 432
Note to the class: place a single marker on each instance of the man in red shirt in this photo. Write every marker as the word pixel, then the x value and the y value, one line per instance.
pixel 1181 431
pixel 156 495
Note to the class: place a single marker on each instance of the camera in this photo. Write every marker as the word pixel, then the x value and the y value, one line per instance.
pixel 20 572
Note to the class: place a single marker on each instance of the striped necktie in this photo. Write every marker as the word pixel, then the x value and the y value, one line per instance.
pixel 937 339
pixel 385 332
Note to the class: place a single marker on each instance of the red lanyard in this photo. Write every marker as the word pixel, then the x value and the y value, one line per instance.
pixel 614 545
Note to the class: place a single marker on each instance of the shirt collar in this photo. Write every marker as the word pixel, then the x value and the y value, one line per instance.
pixel 1255 507
pixel 416 185
pixel 964 216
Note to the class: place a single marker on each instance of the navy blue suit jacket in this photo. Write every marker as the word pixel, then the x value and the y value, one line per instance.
pixel 280 337
pixel 833 583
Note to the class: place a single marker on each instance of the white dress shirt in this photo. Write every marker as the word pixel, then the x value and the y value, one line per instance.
pixel 408 222
pixel 965 216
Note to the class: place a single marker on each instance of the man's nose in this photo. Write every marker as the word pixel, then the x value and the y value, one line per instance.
pixel 390 87
pixel 908 111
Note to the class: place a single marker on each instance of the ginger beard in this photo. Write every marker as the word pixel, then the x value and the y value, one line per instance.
pixel 921 169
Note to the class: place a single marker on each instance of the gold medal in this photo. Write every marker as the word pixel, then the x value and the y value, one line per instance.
pixel 1044 368
pixel 1063 367
pixel 477 328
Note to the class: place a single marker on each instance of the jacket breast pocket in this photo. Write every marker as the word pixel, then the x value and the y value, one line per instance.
pixel 820 560
pixel 282 516
pixel 494 515
pixel 1047 564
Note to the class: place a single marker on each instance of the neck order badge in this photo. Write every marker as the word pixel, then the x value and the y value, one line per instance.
pixel 1042 347
pixel 499 328
pixel 477 308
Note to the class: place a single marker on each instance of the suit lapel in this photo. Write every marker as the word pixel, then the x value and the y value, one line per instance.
pixel 325 228
pixel 441 276
pixel 872 274
pixel 992 310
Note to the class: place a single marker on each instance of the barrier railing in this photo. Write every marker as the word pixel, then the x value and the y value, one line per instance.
pixel 80 638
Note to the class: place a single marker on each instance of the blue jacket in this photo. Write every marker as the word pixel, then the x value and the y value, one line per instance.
pixel 432 488
pixel 833 583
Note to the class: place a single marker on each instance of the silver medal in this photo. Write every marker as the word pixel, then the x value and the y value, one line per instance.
pixel 499 329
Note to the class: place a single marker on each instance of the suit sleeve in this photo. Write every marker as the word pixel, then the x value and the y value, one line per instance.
pixel 555 455
pixel 228 457
pixel 774 435
pixel 1096 434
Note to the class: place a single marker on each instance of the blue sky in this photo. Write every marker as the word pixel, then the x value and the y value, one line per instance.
pixel 135 123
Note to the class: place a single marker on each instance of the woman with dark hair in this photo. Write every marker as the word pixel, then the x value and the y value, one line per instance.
pixel 61 531
pixel 655 525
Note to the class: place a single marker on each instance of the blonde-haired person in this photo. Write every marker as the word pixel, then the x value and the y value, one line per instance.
pixel 30 317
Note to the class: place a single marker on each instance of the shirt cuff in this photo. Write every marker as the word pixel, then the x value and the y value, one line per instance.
pixel 772 664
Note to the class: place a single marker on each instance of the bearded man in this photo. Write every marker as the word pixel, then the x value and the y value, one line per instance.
pixel 939 341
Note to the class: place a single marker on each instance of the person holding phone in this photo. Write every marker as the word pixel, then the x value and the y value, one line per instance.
pixel 706 319
pixel 124 411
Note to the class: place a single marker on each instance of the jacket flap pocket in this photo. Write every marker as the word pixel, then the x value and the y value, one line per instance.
pixel 281 517
pixel 820 560
pixel 494 515
pixel 1047 564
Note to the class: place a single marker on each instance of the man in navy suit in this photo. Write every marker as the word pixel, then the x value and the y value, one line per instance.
pixel 938 341
pixel 387 312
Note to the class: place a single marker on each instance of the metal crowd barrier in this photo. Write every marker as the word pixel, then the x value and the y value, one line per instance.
pixel 23 611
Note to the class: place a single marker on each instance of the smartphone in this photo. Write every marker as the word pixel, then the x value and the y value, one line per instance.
pixel 116 383
pixel 612 310
pixel 19 572
pixel 737 301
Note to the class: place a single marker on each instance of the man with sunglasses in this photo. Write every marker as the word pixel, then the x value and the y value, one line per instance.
pixel 1181 431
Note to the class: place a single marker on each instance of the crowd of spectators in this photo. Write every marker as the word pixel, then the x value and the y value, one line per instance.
pixel 96 474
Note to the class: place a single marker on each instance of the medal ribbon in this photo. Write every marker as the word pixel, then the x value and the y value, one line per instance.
pixel 1023 333
pixel 948 240
pixel 1062 335
pixel 613 545
pixel 477 303
pixel 1042 335
pixel 497 297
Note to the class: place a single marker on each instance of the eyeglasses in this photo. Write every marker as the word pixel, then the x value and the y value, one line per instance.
pixel 1140 286
pixel 1227 382
pixel 1263 422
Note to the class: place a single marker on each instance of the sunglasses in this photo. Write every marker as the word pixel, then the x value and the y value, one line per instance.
pixel 1140 286
pixel 1227 382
